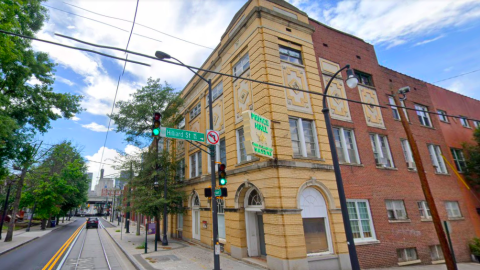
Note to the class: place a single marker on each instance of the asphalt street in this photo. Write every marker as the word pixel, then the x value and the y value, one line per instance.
pixel 36 254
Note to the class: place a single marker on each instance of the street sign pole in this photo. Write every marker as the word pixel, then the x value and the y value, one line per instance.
pixel 216 244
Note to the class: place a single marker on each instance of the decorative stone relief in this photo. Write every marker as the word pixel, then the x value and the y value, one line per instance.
pixel 338 107
pixel 218 116
pixel 329 67
pixel 180 147
pixel 373 115
pixel 242 96
pixel 195 127
pixel 294 77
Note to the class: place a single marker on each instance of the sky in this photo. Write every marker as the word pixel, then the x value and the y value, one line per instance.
pixel 428 40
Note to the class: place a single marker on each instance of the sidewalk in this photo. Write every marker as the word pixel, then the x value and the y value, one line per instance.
pixel 461 266
pixel 178 255
pixel 22 237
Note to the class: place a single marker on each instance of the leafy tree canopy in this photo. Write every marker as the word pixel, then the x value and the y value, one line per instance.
pixel 472 151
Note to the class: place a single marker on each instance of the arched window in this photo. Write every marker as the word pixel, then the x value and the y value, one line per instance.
pixel 196 201
pixel 254 198
pixel 315 221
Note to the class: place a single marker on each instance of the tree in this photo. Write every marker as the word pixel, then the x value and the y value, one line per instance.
pixel 134 117
pixel 472 153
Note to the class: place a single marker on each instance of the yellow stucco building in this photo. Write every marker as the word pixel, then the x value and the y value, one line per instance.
pixel 286 209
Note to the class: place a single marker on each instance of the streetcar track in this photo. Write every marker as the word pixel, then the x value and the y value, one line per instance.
pixel 101 243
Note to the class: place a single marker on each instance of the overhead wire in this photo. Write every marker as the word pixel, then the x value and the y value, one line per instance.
pixel 459 75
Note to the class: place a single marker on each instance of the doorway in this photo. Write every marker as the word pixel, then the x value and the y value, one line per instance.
pixel 254 224
pixel 196 217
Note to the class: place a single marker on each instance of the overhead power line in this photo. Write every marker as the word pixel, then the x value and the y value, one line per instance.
pixel 121 29
pixel 459 75
pixel 146 26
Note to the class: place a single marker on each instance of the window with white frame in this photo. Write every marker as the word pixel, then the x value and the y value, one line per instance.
pixel 217 90
pixel 407 153
pixel 407 254
pixel 396 114
pixel 196 164
pixel 221 218
pixel 180 175
pixel 241 152
pixel 220 154
pixel 290 55
pixel 464 122
pixel 436 253
pixel 181 124
pixel 346 145
pixel 453 209
pixel 304 137
pixel 180 221
pixel 442 115
pixel 437 159
pixel 396 210
pixel 459 159
pixel 423 116
pixel 195 111
pixel 424 210
pixel 242 65
pixel 361 220
pixel 476 124
pixel 381 150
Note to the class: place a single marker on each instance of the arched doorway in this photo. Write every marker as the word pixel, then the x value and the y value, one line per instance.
pixel 315 222
pixel 254 223
pixel 195 217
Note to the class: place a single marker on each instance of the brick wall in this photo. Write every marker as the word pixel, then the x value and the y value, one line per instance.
pixel 366 181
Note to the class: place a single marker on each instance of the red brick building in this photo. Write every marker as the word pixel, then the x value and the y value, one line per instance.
pixel 457 131
pixel 390 219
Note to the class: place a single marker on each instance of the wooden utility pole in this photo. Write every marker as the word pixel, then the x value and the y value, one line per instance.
pixel 437 223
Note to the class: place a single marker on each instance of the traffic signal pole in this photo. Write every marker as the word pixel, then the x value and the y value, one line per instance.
pixel 216 244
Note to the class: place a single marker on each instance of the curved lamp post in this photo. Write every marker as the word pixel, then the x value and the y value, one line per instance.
pixel 352 82
pixel 216 254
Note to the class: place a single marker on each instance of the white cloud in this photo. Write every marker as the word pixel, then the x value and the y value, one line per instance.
pixel 448 69
pixel 57 111
pixel 34 81
pixel 428 40
pixel 75 118
pixel 95 127
pixel 71 27
pixel 110 156
pixel 65 81
pixel 389 22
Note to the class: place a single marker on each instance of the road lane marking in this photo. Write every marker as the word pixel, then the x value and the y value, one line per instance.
pixel 62 249
pixel 60 265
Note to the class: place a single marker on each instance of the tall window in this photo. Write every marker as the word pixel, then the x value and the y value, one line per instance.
pixel 180 221
pixel 424 210
pixel 396 114
pixel 442 115
pixel 196 164
pixel 464 122
pixel 407 254
pixel 459 159
pixel 364 78
pixel 195 111
pixel 476 124
pixel 315 221
pixel 242 65
pixel 220 154
pixel 407 153
pixel 304 138
pixel 381 150
pixel 436 253
pixel 360 220
pixel 290 55
pixel 241 152
pixel 181 125
pixel 437 159
pixel 423 116
pixel 180 175
pixel 396 210
pixel 221 218
pixel 217 90
pixel 453 210
pixel 346 146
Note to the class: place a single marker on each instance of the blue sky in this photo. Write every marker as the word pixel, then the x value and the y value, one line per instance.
pixel 429 40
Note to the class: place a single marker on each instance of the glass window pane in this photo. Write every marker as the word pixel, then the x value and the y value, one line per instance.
pixel 315 235
pixel 338 145
pixel 223 152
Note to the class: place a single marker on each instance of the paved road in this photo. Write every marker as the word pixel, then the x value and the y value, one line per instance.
pixel 36 254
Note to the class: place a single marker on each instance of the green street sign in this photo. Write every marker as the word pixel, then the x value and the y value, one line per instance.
pixel 218 192
pixel 182 134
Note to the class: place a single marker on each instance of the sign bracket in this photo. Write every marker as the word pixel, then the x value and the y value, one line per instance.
pixel 193 143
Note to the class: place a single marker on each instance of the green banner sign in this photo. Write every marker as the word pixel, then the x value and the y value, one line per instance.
pixel 218 192
pixel 182 134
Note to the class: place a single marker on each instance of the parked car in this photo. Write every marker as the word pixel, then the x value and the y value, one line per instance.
pixel 92 222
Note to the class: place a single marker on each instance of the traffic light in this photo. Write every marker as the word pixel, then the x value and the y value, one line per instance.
pixel 208 192
pixel 222 175
pixel 156 124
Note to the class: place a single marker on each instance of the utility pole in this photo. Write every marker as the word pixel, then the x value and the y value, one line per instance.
pixel 437 223
pixel 127 222
pixel 164 239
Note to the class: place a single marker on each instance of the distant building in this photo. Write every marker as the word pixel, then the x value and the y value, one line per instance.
pixel 103 183
pixel 90 177
pixel 122 180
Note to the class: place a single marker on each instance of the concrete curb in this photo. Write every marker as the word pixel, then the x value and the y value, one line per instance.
pixel 15 247
pixel 135 263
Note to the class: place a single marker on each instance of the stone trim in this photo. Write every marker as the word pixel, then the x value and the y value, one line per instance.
pixel 231 210
pixel 282 211
pixel 205 208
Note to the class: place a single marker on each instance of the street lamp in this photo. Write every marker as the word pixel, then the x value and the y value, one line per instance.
pixel 216 257
pixel 352 82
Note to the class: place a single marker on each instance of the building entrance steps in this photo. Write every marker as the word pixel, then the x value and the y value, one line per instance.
pixel 178 254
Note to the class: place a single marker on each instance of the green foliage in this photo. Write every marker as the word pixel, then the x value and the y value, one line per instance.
pixel 474 245
pixel 472 155
pixel 134 117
